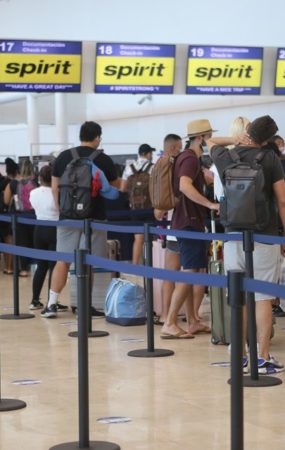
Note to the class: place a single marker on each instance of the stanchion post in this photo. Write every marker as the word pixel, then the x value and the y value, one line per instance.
pixel 15 267
pixel 16 309
pixel 254 380
pixel 248 247
pixel 149 288
pixel 9 404
pixel 81 270
pixel 87 234
pixel 236 301
pixel 150 352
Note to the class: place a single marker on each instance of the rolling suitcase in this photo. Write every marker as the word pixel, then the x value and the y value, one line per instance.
pixel 158 261
pixel 220 310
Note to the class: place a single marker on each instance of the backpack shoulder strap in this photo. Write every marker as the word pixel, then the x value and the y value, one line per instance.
pixel 234 155
pixel 134 170
pixel 95 154
pixel 259 157
pixel 74 153
pixel 146 167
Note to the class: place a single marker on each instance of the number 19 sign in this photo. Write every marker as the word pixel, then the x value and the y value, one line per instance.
pixel 134 68
pixel 224 70
pixel 280 72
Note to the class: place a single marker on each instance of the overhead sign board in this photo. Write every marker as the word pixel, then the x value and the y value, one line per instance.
pixel 41 66
pixel 224 70
pixel 134 68
pixel 280 72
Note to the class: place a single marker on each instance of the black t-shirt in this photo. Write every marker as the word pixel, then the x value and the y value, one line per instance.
pixel 272 170
pixel 104 162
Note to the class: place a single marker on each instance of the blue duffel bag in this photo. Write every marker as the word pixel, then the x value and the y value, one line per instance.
pixel 125 303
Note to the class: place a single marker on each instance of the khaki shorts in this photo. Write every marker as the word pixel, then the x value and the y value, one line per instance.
pixel 69 239
pixel 266 260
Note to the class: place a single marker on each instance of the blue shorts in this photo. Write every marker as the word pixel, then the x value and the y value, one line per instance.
pixel 193 252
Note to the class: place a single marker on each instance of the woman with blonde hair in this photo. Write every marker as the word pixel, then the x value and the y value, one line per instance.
pixel 238 126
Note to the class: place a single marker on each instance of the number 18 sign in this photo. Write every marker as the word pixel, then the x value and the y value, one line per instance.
pixel 134 68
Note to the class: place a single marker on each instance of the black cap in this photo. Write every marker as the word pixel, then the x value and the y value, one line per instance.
pixel 145 148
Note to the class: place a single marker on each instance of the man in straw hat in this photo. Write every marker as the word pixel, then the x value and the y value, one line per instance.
pixel 189 214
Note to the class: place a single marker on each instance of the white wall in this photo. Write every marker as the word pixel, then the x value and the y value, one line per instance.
pixel 126 124
pixel 254 22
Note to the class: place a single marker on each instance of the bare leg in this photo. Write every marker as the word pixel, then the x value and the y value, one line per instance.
pixel 179 295
pixel 137 248
pixel 59 276
pixel 264 325
pixel 193 320
pixel 172 262
pixel 198 295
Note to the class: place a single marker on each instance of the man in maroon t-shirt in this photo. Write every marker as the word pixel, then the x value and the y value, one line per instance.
pixel 189 215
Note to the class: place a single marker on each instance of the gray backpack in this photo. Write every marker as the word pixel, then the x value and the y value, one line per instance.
pixel 245 205
pixel 76 185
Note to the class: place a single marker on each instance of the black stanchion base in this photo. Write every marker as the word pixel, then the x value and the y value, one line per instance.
pixel 263 381
pixel 16 316
pixel 90 334
pixel 93 445
pixel 10 404
pixel 144 353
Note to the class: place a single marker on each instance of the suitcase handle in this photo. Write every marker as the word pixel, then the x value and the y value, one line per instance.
pixel 213 230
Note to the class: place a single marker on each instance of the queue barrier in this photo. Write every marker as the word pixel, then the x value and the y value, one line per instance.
pixel 236 281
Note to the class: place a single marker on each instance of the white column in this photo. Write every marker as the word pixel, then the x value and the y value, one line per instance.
pixel 33 123
pixel 61 120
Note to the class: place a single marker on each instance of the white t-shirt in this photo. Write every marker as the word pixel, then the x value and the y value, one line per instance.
pixel 138 164
pixel 42 201
pixel 218 187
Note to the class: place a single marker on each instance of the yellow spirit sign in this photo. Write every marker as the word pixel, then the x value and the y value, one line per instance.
pixel 224 70
pixel 40 66
pixel 134 68
pixel 280 72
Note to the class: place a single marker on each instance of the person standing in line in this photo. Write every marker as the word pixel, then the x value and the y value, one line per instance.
pixel 172 146
pixel 189 215
pixel 265 257
pixel 68 239
pixel 42 201
pixel 142 164
pixel 16 195
pixel 12 171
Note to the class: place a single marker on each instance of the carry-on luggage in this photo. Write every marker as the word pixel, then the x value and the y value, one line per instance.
pixel 158 261
pixel 220 310
pixel 101 280
pixel 125 303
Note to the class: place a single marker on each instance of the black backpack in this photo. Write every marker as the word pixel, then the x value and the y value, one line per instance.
pixel 75 186
pixel 245 205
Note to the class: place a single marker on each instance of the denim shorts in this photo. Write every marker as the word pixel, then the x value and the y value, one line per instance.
pixel 193 252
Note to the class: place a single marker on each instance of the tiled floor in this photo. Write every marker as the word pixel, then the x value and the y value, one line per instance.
pixel 176 402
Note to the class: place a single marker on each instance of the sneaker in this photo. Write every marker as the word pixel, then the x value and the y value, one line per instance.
pixel 277 311
pixel 245 364
pixel 94 311
pixel 267 367
pixel 49 312
pixel 61 308
pixel 36 304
